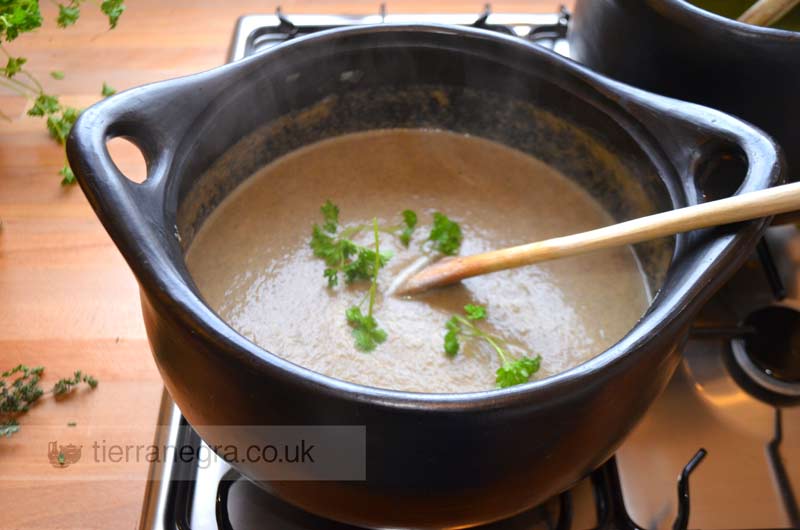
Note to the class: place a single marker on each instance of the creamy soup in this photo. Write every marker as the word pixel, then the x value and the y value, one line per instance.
pixel 253 263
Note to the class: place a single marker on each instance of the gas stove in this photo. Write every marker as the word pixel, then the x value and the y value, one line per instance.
pixel 730 417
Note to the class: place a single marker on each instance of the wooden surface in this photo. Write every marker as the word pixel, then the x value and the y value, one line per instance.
pixel 67 299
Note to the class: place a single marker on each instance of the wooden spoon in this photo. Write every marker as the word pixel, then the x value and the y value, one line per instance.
pixel 767 12
pixel 742 207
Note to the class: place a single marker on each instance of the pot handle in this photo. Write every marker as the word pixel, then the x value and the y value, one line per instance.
pixel 155 118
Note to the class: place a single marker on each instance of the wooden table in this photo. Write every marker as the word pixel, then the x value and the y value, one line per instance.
pixel 67 298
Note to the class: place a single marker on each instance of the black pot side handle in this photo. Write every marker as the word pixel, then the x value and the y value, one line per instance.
pixel 155 118
pixel 700 140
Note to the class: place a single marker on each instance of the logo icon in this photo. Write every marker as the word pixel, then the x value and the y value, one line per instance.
pixel 63 455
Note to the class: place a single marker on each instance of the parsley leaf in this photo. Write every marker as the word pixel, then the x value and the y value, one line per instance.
pixel 68 14
pixel 445 234
pixel 113 10
pixel 366 264
pixel 59 126
pixel 22 16
pixel 14 66
pixel 18 16
pixel 330 213
pixel 517 372
pixel 365 329
pixel 451 343
pixel 341 254
pixel 68 177
pixel 107 90
pixel 43 105
pixel 475 312
pixel 513 371
pixel 410 222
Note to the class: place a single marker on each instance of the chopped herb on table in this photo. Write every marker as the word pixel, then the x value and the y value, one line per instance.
pixel 23 16
pixel 513 370
pixel 20 388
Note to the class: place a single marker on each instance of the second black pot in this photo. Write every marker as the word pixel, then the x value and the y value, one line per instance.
pixel 674 48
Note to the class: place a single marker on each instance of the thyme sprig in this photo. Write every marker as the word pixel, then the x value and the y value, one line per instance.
pixel 20 388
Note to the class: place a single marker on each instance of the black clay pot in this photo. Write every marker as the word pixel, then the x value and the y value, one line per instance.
pixel 432 461
pixel 674 48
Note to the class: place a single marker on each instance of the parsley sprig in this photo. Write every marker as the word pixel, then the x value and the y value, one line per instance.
pixel 445 235
pixel 22 16
pixel 365 328
pixel 20 388
pixel 513 370
pixel 409 224
pixel 343 256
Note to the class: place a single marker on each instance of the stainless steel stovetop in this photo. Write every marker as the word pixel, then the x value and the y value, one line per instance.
pixel 753 446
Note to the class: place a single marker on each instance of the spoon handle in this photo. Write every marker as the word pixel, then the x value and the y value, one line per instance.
pixel 747 206
pixel 767 12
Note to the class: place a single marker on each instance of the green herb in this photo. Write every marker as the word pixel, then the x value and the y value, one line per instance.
pixel 517 372
pixel 107 90
pixel 58 75
pixel 475 312
pixel 445 234
pixel 344 257
pixel 23 16
pixel 341 254
pixel 68 177
pixel 365 328
pixel 113 10
pixel 8 428
pixel 330 212
pixel 72 424
pixel 60 125
pixel 14 66
pixel 410 222
pixel 513 371
pixel 61 458
pixel 20 388
pixel 66 384
pixel 68 14
pixel 18 16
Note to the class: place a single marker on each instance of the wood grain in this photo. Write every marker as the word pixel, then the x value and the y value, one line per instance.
pixel 67 298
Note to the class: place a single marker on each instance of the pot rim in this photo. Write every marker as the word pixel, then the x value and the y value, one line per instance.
pixel 697 17
pixel 162 284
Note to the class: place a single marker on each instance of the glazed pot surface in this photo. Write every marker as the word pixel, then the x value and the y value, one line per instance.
pixel 432 460
pixel 674 48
